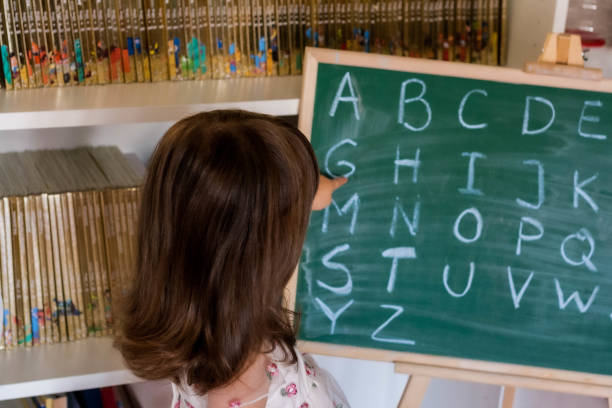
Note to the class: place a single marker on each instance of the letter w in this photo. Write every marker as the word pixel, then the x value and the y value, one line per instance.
pixel 352 202
pixel 575 297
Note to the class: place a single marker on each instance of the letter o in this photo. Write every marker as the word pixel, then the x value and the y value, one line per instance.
pixel 473 211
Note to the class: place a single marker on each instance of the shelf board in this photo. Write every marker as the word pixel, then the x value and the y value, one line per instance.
pixel 50 369
pixel 150 102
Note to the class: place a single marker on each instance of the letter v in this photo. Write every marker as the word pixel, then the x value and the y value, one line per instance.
pixel 516 298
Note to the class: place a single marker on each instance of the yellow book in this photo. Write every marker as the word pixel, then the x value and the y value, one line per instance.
pixel 103 247
pixel 85 261
pixel 8 281
pixel 46 251
pixel 65 269
pixel 62 295
pixel 76 285
pixel 33 265
pixel 97 291
pixel 112 253
pixel 21 255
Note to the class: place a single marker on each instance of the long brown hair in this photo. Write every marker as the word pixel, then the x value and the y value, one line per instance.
pixel 224 213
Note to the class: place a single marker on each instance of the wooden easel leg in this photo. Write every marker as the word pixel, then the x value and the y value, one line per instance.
pixel 414 391
pixel 506 397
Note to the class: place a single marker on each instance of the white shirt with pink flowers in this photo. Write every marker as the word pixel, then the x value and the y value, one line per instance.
pixel 300 385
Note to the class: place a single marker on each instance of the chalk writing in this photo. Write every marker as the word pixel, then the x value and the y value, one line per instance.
pixel 469 189
pixel 345 163
pixel 579 192
pixel 348 286
pixel 592 119
pixel 398 209
pixel 414 163
pixel 352 98
pixel 516 297
pixel 523 236
pixel 476 214
pixel 353 203
pixel 581 236
pixel 468 285
pixel 462 107
pixel 526 130
pixel 396 254
pixel 404 101
pixel 333 316
pixel 582 307
pixel 537 206
pixel 398 311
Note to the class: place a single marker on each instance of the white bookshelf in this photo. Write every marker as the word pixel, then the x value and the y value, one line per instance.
pixel 36 118
pixel 140 103
pixel 49 369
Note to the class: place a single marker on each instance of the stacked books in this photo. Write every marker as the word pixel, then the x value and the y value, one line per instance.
pixel 67 234
pixel 82 42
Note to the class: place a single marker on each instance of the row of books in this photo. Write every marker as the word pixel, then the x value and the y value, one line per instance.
pixel 108 397
pixel 72 42
pixel 67 232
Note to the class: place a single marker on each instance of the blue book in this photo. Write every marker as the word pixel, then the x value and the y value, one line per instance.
pixel 72 401
pixel 90 398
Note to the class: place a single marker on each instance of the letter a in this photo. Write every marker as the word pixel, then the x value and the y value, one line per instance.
pixel 339 98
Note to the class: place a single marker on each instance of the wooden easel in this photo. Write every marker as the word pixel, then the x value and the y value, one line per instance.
pixel 561 56
pixel 420 375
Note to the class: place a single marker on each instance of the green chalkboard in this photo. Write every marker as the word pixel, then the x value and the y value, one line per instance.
pixel 471 230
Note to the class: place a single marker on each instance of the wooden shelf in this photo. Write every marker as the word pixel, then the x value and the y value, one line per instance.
pixel 139 103
pixel 49 369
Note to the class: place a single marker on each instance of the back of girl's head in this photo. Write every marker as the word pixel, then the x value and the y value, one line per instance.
pixel 224 213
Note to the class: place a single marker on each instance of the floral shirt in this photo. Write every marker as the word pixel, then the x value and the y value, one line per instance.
pixel 300 385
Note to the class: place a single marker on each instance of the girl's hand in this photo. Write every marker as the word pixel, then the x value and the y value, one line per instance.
pixel 324 192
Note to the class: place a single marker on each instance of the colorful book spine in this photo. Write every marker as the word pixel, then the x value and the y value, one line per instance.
pixel 51 310
pixel 60 299
pixel 111 22
pixel 87 42
pixel 56 68
pixel 82 42
pixel 7 52
pixel 245 43
pixel 126 40
pixel 33 271
pixel 206 36
pixel 8 282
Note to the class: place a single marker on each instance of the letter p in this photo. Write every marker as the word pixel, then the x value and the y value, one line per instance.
pixel 525 236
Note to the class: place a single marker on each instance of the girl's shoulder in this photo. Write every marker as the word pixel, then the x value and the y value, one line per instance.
pixel 302 385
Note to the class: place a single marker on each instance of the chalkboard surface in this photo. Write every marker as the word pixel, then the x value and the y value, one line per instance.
pixel 476 223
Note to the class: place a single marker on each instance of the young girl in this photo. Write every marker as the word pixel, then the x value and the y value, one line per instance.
pixel 224 214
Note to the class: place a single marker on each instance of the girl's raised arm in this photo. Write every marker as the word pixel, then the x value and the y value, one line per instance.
pixel 324 192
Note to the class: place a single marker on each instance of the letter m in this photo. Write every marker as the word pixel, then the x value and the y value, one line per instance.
pixel 353 203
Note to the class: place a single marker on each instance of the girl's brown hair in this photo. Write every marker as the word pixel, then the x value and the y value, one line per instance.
pixel 224 213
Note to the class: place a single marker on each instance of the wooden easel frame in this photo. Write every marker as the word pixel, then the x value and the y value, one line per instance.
pixel 422 367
